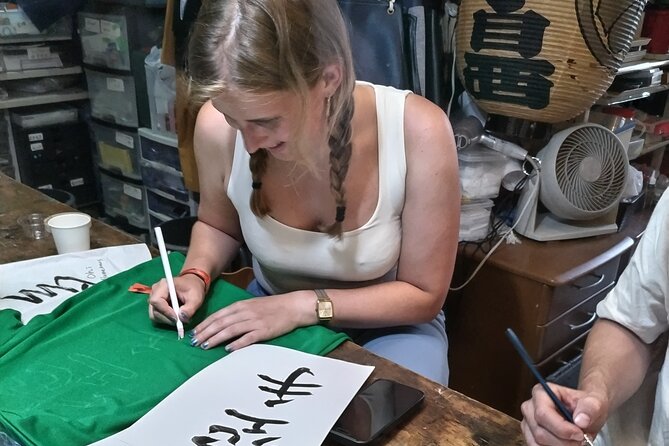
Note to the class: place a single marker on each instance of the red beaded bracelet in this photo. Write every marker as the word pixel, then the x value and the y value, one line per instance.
pixel 206 278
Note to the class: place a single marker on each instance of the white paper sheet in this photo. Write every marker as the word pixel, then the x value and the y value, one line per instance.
pixel 243 382
pixel 37 286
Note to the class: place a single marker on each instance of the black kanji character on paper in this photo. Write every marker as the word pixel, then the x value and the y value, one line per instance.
pixel 63 283
pixel 285 386
pixel 234 437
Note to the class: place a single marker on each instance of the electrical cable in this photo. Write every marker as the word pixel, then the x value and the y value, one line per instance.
pixel 536 165
pixel 503 206
pixel 450 101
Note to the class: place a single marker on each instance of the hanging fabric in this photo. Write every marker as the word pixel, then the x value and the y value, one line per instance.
pixel 398 43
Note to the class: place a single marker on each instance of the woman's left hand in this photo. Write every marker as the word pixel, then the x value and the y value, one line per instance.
pixel 254 320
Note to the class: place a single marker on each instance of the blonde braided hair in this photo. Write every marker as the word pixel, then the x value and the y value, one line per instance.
pixel 340 155
pixel 264 46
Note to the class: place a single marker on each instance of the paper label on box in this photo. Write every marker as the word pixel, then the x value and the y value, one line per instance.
pixel 132 191
pixel 35 137
pixel 52 61
pixel 115 156
pixel 125 140
pixel 162 106
pixel 92 25
pixel 115 84
pixel 110 29
pixel 36 146
pixel 74 182
pixel 40 52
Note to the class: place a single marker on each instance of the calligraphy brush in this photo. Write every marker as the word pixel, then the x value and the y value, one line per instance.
pixel 528 362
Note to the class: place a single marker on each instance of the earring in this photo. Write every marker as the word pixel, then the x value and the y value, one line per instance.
pixel 327 107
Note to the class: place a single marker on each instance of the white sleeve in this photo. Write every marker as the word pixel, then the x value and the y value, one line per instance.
pixel 639 299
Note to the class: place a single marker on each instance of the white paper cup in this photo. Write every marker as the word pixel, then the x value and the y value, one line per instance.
pixel 71 231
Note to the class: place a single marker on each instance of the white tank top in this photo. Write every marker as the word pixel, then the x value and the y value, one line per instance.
pixel 288 259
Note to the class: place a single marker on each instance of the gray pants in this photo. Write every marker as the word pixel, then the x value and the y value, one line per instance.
pixel 422 348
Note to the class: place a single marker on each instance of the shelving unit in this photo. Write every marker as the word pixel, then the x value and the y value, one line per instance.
pixel 13 40
pixel 8 162
pixel 116 36
pixel 637 93
pixel 53 153
pixel 631 95
pixel 654 147
pixel 167 196
pixel 617 98
pixel 41 72
pixel 27 100
pixel 645 64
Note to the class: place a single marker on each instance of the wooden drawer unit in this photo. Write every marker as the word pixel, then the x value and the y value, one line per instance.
pixel 578 320
pixel 568 353
pixel 566 296
pixel 546 292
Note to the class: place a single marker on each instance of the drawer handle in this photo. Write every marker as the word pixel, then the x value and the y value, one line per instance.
pixel 593 316
pixel 599 280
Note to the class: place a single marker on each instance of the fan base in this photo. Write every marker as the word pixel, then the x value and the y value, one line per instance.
pixel 548 228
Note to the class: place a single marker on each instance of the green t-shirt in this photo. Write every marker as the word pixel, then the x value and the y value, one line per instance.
pixel 97 363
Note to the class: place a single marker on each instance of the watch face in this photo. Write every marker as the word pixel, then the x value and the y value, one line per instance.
pixel 325 310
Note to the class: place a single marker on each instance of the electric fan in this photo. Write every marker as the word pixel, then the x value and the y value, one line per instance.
pixel 581 178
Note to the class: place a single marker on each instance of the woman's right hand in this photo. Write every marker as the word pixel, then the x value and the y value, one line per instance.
pixel 190 293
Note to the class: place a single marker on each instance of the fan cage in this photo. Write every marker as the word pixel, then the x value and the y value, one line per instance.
pixel 598 148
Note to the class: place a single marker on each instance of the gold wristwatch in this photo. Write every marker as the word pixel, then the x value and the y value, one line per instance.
pixel 324 308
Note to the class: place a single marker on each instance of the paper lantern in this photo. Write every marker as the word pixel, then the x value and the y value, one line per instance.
pixel 545 61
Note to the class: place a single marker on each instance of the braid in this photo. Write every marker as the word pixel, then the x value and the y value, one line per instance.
pixel 258 164
pixel 340 155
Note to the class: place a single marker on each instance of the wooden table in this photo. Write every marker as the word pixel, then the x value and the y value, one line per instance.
pixel 446 418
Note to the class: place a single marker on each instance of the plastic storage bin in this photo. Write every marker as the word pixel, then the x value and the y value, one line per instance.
pixel 113 97
pixel 82 188
pixel 481 172
pixel 53 143
pixel 155 220
pixel 59 170
pixel 166 180
pixel 117 150
pixel 104 40
pixel 30 117
pixel 160 148
pixel 161 92
pixel 124 199
pixel 56 157
pixel 15 23
pixel 112 33
pixel 166 208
